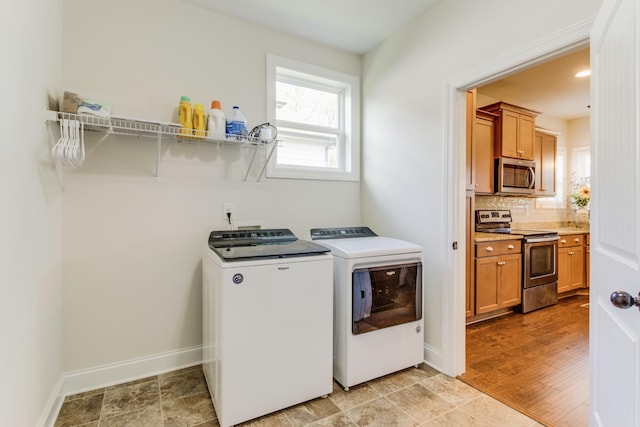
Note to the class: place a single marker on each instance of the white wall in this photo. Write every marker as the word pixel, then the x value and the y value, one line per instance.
pixel 405 161
pixel 132 243
pixel 580 132
pixel 30 259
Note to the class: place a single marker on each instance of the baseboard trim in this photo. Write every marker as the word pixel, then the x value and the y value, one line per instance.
pixel 129 370
pixel 433 357
pixel 50 413
pixel 117 373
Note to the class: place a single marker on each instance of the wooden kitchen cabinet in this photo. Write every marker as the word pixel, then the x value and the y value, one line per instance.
pixel 587 260
pixel 470 273
pixel 544 154
pixel 471 153
pixel 515 130
pixel 571 263
pixel 498 275
pixel 483 145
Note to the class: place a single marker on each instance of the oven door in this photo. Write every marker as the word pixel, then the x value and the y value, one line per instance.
pixel 386 296
pixel 540 262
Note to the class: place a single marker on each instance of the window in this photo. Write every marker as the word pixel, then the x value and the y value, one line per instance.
pixel 581 165
pixel 317 113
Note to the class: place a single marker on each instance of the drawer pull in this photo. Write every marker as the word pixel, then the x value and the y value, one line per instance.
pixel 572 253
pixel 563 241
pixel 489 249
pixel 576 240
pixel 502 262
pixel 510 247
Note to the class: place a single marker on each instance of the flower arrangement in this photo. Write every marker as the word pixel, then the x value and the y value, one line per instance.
pixel 581 195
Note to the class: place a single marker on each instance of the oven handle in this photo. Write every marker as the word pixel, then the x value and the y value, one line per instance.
pixel 541 239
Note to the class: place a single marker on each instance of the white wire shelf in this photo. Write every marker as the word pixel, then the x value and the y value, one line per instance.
pixel 114 125
pixel 146 128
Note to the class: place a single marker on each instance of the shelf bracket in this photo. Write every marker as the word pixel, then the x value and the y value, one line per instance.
pixel 158 152
pixel 266 162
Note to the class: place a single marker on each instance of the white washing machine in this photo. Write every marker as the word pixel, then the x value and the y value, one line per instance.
pixel 267 322
pixel 377 318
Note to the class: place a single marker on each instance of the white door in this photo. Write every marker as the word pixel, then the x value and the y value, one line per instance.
pixel 615 219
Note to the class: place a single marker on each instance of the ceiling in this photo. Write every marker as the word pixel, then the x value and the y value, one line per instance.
pixel 550 88
pixel 353 25
pixel 359 25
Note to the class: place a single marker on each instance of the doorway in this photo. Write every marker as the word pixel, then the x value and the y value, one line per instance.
pixel 560 44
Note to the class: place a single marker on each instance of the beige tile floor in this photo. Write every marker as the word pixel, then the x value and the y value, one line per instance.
pixel 412 397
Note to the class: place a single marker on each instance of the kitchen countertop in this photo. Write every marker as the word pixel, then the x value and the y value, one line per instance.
pixel 493 237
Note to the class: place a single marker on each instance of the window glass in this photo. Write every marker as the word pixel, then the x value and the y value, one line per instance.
pixel 306 105
pixel 316 112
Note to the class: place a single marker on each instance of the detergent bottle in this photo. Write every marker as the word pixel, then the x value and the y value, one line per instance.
pixel 216 124
pixel 199 121
pixel 237 123
pixel 185 117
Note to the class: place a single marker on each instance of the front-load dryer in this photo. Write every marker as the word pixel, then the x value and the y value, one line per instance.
pixel 377 316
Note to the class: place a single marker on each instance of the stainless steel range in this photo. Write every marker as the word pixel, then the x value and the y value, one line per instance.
pixel 539 258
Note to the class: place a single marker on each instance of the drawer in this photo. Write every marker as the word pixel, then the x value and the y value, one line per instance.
pixel 502 247
pixel 571 240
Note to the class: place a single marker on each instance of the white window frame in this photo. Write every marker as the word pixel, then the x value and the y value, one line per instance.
pixel 348 149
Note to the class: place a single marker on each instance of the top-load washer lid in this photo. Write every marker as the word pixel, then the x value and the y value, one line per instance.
pixel 268 243
pixel 361 242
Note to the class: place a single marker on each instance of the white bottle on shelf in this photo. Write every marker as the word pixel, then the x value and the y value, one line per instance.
pixel 237 123
pixel 216 124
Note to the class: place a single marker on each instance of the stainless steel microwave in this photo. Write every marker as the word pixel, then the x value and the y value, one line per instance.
pixel 514 176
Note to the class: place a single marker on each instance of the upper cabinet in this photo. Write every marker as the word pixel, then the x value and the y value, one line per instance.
pixel 480 142
pixel 471 152
pixel 515 130
pixel 544 153
pixel 485 130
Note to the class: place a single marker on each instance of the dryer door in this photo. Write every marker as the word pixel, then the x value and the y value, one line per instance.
pixel 386 296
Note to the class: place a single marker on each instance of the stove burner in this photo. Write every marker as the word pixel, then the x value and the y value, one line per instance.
pixel 500 222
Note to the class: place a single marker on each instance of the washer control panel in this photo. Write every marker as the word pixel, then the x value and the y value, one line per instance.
pixel 228 238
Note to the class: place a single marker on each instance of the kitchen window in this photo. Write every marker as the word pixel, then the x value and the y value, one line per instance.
pixel 317 113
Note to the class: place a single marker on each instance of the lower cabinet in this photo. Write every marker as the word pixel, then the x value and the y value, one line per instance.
pixel 587 260
pixel 571 263
pixel 498 275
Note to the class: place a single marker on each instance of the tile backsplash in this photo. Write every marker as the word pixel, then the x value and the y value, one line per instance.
pixel 526 210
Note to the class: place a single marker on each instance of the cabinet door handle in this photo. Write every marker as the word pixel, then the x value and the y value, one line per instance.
pixel 489 249
pixel 510 247
pixel 572 253
pixel 501 262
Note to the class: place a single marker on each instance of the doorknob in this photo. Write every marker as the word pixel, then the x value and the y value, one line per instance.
pixel 623 299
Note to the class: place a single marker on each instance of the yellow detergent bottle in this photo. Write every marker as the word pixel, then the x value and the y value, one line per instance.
pixel 199 121
pixel 184 117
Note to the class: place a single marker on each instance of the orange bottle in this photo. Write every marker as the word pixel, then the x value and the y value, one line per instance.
pixel 199 121
pixel 184 117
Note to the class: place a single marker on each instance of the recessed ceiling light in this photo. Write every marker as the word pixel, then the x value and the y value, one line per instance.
pixel 584 73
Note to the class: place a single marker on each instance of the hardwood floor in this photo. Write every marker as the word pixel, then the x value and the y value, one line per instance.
pixel 537 363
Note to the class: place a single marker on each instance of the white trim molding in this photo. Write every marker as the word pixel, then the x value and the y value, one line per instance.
pixel 116 373
pixel 551 46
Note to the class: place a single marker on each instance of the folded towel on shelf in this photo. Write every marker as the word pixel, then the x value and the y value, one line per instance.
pixel 94 109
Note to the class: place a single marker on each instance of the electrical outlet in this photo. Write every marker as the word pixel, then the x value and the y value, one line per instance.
pixel 228 208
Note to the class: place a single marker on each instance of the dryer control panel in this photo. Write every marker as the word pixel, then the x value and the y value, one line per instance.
pixel 341 233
